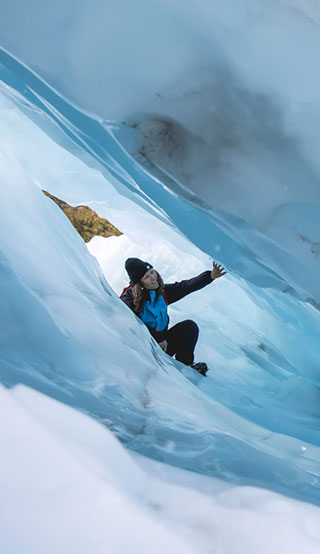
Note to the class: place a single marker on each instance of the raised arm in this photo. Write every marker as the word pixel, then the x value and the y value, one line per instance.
pixel 177 291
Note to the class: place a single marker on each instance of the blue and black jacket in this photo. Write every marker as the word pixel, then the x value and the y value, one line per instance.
pixel 154 310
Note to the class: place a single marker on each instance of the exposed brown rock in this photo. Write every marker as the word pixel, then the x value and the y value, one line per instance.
pixel 86 221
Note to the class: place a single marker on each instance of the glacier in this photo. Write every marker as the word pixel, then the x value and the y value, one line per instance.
pixel 201 146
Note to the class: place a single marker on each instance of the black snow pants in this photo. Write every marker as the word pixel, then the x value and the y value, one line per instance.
pixel 182 339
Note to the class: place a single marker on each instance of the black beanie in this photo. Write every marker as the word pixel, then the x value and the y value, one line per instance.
pixel 136 269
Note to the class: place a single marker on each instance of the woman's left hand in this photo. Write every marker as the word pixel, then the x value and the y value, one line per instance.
pixel 164 345
pixel 217 271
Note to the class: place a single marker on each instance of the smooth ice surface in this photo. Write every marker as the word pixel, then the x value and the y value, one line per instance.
pixel 202 145
pixel 218 101
pixel 72 488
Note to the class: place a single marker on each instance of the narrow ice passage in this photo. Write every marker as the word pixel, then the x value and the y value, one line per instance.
pixel 232 424
pixel 64 332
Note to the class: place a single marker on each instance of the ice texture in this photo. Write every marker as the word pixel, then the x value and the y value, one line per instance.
pixel 217 101
pixel 197 138
pixel 68 485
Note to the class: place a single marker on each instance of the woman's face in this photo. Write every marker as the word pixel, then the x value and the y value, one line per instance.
pixel 150 280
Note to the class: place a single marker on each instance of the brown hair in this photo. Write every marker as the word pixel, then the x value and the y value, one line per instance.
pixel 140 294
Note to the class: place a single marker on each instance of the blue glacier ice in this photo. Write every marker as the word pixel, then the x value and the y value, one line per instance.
pixel 200 142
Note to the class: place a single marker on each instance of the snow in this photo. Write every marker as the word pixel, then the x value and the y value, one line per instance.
pixel 198 138
pixel 72 501
pixel 74 488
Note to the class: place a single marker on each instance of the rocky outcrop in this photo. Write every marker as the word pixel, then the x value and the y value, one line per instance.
pixel 86 221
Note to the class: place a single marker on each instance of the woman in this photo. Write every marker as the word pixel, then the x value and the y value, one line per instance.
pixel 148 297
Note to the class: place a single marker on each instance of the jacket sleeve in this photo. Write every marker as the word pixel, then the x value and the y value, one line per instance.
pixel 176 291
pixel 126 297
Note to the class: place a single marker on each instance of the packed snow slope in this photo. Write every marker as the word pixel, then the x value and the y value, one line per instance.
pixel 68 486
pixel 192 128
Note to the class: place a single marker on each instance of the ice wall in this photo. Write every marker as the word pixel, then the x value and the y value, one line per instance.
pixel 219 102
pixel 64 332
